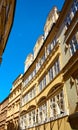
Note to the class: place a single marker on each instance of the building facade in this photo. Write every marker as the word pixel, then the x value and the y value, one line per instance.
pixel 50 81
pixel 46 95
pixel 3 114
pixel 6 20
pixel 12 120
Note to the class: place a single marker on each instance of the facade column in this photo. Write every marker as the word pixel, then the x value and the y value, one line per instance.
pixel 5 126
pixel 27 120
pixel 48 109
pixel 36 115
pixel 39 120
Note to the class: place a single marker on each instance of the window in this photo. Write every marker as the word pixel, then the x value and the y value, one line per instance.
pixel 34 72
pixel 60 101
pixel 71 14
pixel 73 45
pixel 30 118
pixel 40 86
pixel 26 82
pixel 54 70
pixel 57 105
pixel 36 67
pixel 39 64
pixel 68 20
pixel 76 4
pixel 42 59
pixel 50 72
pixel 30 95
pixel 77 84
pixel 48 49
pixel 23 122
pixel 73 9
pixel 30 77
pixel 44 81
pixel 54 41
pixel 25 99
pixel 42 113
pixel 52 45
pixel 53 107
pixel 34 92
pixel 56 67
pixel 33 116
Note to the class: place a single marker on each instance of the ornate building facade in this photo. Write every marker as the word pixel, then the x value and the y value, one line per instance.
pixel 3 114
pixel 50 81
pixel 46 95
pixel 12 121
pixel 6 20
pixel 10 107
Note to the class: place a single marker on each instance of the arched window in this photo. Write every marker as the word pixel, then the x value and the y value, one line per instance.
pixel 57 105
pixel 31 118
pixel 23 121
pixel 42 113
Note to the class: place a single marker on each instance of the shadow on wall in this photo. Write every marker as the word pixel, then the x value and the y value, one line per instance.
pixel 11 126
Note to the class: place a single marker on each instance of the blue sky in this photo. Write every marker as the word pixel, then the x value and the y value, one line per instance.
pixel 29 20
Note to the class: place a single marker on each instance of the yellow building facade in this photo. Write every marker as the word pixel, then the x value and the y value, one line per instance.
pixel 45 97
pixel 13 110
pixel 3 114
pixel 50 81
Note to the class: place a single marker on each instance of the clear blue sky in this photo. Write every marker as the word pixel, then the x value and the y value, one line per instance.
pixel 29 20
